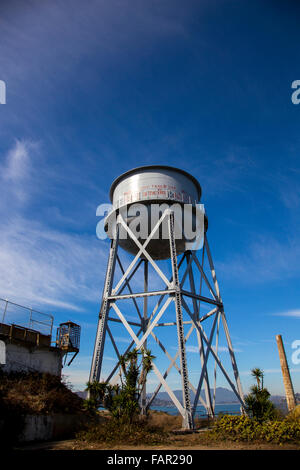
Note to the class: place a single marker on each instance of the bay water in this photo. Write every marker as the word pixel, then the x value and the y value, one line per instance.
pixel 223 408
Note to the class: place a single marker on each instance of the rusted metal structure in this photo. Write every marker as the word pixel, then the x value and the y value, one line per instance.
pixel 68 339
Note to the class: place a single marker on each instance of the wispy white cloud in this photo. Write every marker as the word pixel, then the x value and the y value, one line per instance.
pixel 192 349
pixel 266 259
pixel 42 266
pixel 122 339
pixel 16 167
pixel 227 173
pixel 288 313
pixel 15 171
pixel 225 349
pixel 39 265
pixel 269 371
pixel 195 349
pixel 106 28
pixel 76 377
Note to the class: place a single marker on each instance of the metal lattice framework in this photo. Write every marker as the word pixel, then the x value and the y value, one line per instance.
pixel 184 300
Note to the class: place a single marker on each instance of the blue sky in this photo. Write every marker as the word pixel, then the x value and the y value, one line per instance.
pixel 95 90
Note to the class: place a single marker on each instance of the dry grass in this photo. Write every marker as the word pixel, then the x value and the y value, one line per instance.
pixel 34 393
pixel 158 429
pixel 111 432
pixel 156 434
pixel 164 421
pixel 170 422
pixel 294 415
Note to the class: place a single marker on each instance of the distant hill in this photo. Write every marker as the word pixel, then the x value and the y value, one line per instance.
pixel 81 394
pixel 223 395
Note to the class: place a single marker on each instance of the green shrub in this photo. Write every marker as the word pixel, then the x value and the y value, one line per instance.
pixel 294 415
pixel 243 428
pixel 259 405
pixel 122 401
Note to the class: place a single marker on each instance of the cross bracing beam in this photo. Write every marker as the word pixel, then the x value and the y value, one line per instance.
pixel 141 294
pixel 142 251
pixel 204 276
pixel 211 350
pixel 200 344
pixel 172 301
pixel 126 283
pixel 173 323
pixel 117 320
pixel 172 364
pixel 201 297
pixel 124 354
pixel 140 343
pixel 209 314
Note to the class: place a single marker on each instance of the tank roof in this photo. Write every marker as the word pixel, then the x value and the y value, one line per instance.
pixel 153 167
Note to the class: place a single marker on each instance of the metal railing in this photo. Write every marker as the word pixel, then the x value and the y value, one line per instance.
pixel 27 317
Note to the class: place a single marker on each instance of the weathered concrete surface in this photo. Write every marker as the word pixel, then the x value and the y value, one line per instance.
pixel 20 358
pixel 51 427
pixel 37 428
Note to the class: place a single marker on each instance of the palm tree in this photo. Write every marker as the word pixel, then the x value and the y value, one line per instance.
pixel 123 400
pixel 146 367
pixel 116 388
pixel 259 405
pixel 97 393
pixel 96 389
pixel 259 376
pixel 132 371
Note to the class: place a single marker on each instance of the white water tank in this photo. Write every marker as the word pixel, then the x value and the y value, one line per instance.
pixel 148 185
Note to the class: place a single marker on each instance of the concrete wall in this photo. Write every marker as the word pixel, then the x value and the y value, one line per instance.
pixel 21 358
pixel 51 427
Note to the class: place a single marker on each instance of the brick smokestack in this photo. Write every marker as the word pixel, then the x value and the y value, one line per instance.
pixel 289 391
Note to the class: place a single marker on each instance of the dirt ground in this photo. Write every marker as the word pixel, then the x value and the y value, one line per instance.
pixel 177 440
pixel 185 442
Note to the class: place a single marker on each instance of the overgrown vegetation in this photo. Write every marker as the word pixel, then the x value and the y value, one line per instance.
pixel 122 401
pixel 37 393
pixel 111 432
pixel 32 393
pixel 258 403
pixel 263 422
pixel 124 425
pixel 294 415
pixel 243 428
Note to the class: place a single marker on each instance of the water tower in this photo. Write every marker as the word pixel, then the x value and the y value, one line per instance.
pixel 177 305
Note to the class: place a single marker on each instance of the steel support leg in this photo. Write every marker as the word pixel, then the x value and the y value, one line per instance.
pixel 145 325
pixel 103 315
pixel 188 422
